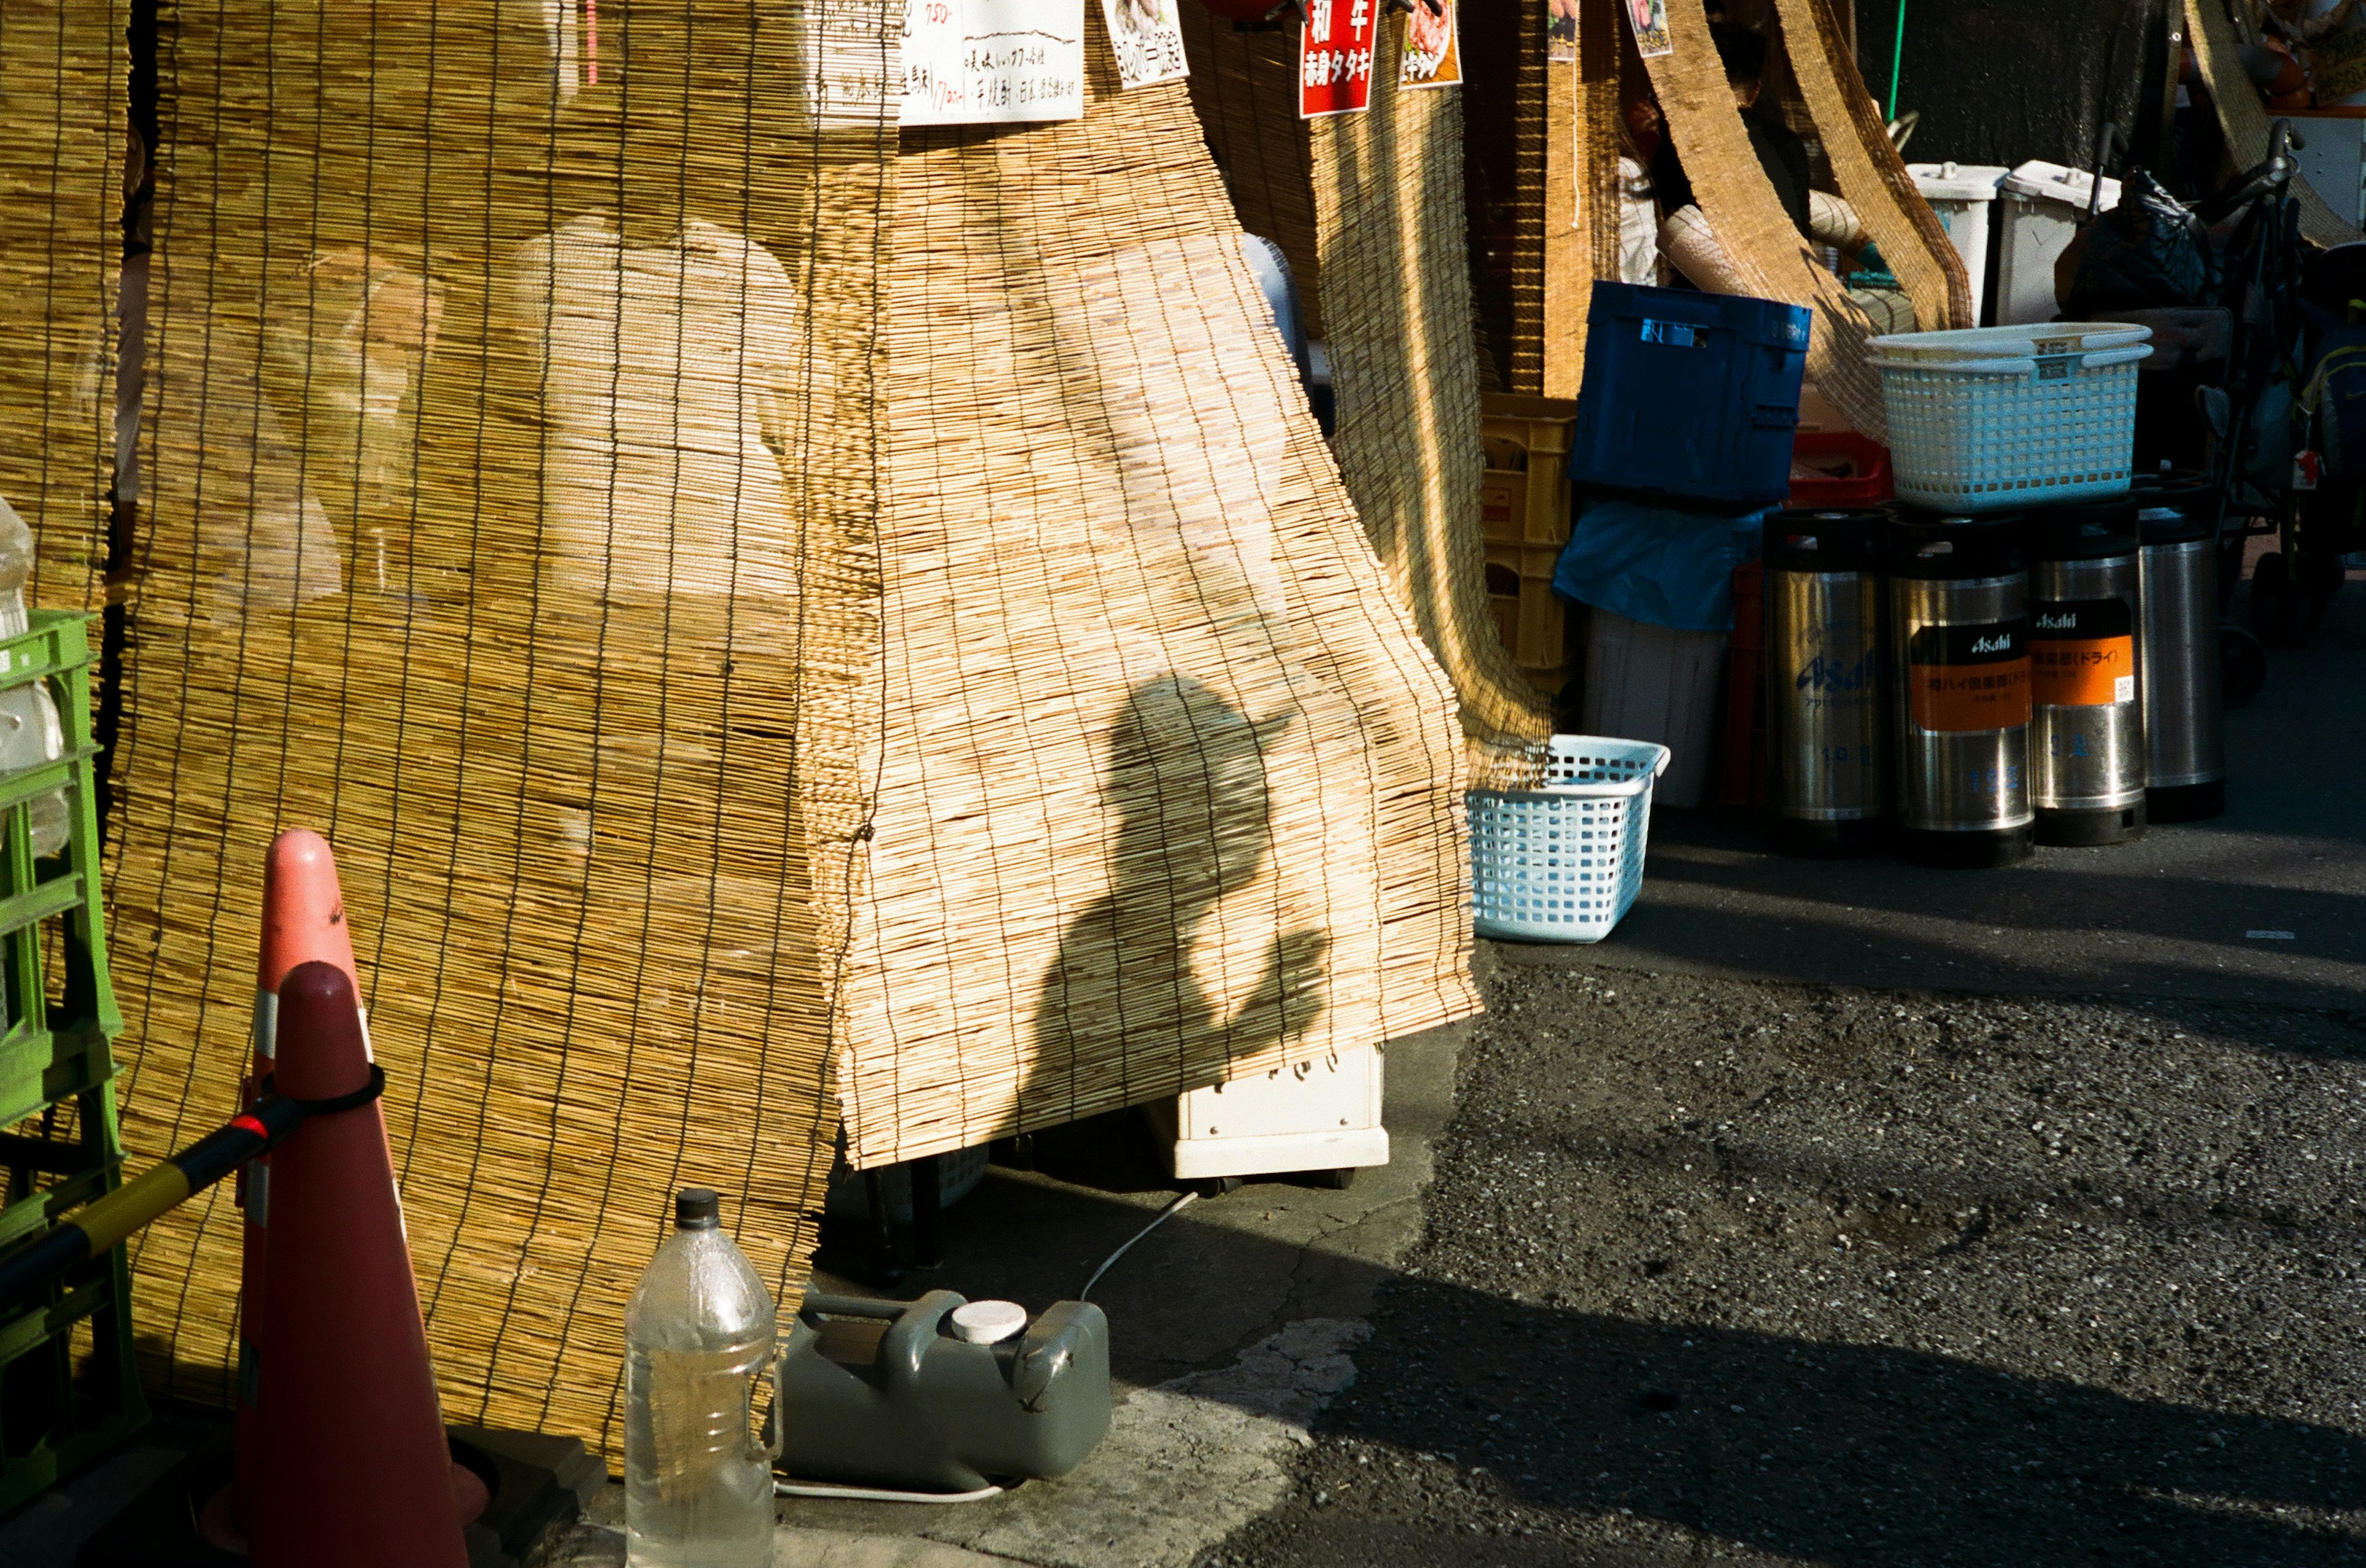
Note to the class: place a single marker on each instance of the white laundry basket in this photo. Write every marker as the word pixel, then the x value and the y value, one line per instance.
pixel 1564 863
pixel 1997 417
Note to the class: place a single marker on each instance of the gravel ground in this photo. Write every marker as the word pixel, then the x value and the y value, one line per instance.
pixel 1744 1273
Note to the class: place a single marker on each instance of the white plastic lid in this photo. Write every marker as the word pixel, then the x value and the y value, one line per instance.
pixel 2052 181
pixel 1958 182
pixel 987 1322
pixel 2022 342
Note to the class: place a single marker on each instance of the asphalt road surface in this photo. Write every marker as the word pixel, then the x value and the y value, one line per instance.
pixel 1719 1271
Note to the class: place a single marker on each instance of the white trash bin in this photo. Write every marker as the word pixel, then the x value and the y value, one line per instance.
pixel 1963 195
pixel 1656 683
pixel 2043 205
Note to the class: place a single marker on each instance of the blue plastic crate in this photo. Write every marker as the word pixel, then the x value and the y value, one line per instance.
pixel 1689 398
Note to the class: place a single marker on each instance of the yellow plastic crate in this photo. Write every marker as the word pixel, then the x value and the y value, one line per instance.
pixel 1524 493
pixel 1528 618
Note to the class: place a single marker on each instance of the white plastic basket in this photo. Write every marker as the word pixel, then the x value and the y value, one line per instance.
pixel 1997 417
pixel 1564 863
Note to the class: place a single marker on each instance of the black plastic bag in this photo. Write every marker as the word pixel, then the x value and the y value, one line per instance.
pixel 2149 252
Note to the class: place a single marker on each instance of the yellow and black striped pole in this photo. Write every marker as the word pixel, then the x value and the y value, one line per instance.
pixel 105 1221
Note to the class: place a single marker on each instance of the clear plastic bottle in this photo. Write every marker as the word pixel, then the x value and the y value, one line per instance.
pixel 31 730
pixel 698 1488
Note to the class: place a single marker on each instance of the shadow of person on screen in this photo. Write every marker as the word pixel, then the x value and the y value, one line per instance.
pixel 1187 780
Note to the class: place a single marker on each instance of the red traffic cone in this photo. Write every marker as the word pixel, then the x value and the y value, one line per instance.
pixel 356 1471
pixel 303 920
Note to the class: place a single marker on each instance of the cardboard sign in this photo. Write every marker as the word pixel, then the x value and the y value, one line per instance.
pixel 993 62
pixel 1148 40
pixel 1334 57
pixel 1649 19
pixel 1433 48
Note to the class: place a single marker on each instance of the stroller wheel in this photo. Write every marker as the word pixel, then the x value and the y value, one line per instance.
pixel 2275 602
pixel 2242 664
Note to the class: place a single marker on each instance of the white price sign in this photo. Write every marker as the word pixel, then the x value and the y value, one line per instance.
pixel 993 62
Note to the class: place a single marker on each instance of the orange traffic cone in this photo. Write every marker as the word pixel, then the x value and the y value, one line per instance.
pixel 355 1469
pixel 303 920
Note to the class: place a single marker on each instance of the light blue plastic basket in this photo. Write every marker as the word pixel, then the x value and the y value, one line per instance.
pixel 1564 863
pixel 1996 417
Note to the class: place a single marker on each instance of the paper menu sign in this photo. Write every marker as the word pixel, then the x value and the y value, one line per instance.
pixel 993 62
pixel 1334 57
pixel 1650 22
pixel 844 55
pixel 1148 39
pixel 1561 30
pixel 1433 50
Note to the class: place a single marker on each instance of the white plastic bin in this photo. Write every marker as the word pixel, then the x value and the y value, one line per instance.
pixel 1658 684
pixel 2042 205
pixel 1564 861
pixel 1962 196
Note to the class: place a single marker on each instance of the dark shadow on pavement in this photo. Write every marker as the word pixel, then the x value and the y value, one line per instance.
pixel 1843 1453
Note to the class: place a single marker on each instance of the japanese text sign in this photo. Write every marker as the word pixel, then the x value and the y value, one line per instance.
pixel 1334 57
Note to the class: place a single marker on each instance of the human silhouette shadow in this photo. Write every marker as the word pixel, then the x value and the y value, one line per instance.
pixel 1187 779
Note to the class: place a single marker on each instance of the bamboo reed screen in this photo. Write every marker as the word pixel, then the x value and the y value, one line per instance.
pixel 512 439
pixel 1584 186
pixel 1767 251
pixel 1374 204
pixel 1170 792
pixel 1866 166
pixel 1245 90
pixel 738 595
pixel 62 148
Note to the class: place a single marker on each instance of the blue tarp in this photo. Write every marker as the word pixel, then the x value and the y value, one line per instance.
pixel 1671 568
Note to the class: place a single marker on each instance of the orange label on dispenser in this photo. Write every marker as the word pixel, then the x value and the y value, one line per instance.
pixel 2083 653
pixel 1963 680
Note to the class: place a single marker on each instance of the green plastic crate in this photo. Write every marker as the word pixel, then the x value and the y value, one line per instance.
pixel 68 1389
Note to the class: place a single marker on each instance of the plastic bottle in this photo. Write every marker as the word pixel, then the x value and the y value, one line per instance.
pixel 30 731
pixel 698 1488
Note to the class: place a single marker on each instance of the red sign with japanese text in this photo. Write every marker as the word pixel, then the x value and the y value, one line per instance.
pixel 1334 57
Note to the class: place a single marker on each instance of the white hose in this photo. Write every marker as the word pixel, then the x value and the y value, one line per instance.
pixel 1086 1293
pixel 875 1493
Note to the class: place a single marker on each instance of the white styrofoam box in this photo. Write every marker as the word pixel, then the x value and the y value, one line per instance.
pixel 2334 161
pixel 2041 206
pixel 1319 1116
pixel 1961 196
pixel 1648 683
